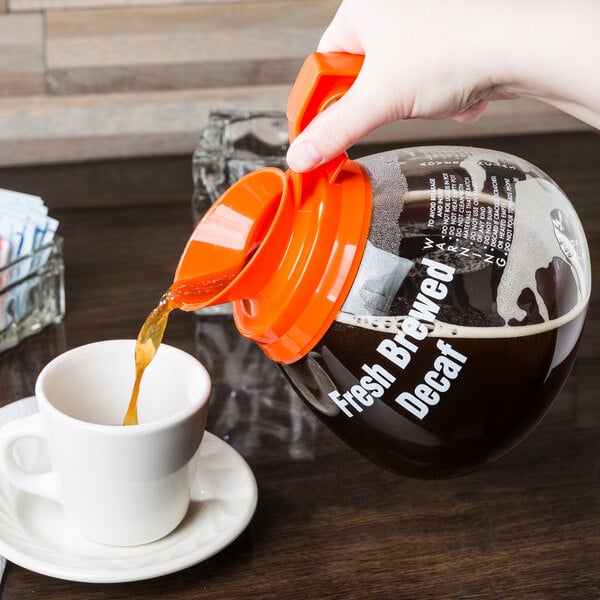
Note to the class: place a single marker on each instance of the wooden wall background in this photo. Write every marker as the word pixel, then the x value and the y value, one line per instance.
pixel 91 79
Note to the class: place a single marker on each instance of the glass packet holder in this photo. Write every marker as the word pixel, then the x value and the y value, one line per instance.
pixel 232 144
pixel 32 294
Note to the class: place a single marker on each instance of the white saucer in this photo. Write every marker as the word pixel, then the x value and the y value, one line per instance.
pixel 35 533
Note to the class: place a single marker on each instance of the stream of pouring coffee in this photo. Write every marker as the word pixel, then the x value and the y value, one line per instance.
pixel 195 293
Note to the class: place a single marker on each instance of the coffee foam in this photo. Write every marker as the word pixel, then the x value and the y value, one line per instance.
pixel 514 278
pixel 536 238
pixel 388 184
pixel 438 329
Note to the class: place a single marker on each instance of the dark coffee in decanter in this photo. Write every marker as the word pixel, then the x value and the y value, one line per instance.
pixel 464 319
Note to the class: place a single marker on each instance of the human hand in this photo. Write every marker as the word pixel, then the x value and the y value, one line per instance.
pixel 434 59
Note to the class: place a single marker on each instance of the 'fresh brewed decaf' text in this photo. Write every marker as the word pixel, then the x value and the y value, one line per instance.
pixel 397 352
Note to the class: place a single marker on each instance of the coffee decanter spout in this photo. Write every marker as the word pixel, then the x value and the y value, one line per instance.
pixel 283 246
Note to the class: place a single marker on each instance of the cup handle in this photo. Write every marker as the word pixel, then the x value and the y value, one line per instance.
pixel 40 484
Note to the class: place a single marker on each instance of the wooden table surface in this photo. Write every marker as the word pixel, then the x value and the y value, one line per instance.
pixel 328 523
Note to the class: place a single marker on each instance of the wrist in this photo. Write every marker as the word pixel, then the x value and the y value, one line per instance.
pixel 553 57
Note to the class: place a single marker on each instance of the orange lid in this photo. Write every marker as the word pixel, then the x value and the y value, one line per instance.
pixel 289 243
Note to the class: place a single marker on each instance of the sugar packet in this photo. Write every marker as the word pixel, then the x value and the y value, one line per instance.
pixel 25 226
pixel 26 236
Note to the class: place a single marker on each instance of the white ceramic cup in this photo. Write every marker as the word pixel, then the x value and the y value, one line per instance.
pixel 120 485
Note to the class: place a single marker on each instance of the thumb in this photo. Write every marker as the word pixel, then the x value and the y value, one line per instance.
pixel 333 131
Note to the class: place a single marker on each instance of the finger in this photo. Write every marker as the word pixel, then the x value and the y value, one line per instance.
pixel 335 129
pixel 328 135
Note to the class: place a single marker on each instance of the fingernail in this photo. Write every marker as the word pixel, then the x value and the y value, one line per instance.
pixel 303 156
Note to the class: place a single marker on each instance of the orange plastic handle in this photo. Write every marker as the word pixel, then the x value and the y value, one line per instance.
pixel 323 79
